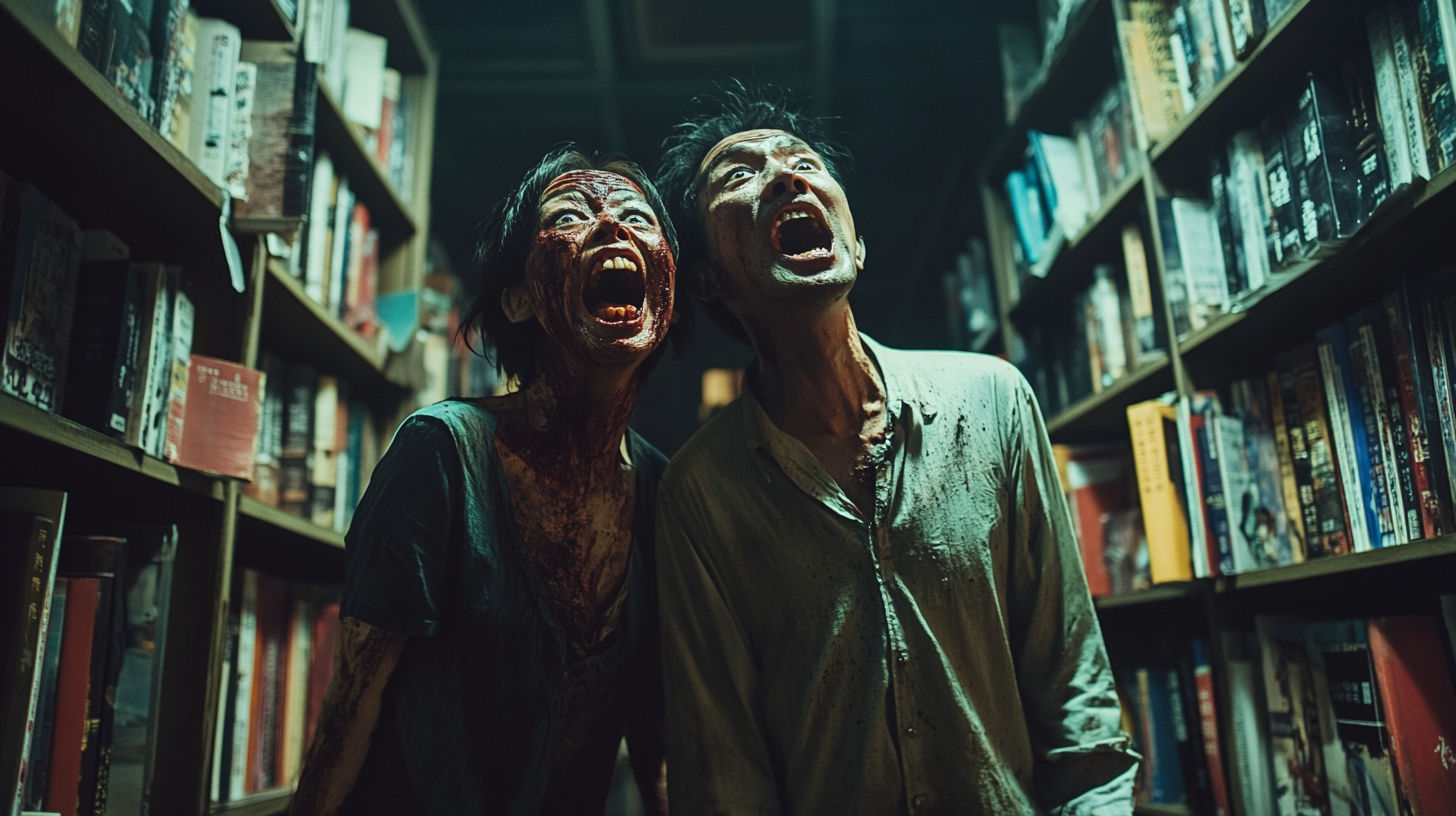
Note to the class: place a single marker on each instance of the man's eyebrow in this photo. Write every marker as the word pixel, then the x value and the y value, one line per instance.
pixel 793 142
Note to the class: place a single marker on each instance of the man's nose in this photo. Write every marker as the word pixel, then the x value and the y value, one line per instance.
pixel 610 231
pixel 794 180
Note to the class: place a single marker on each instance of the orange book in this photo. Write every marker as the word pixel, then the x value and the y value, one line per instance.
pixel 220 431
pixel 1165 515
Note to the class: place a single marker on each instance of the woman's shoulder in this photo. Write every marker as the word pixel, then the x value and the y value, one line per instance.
pixel 645 456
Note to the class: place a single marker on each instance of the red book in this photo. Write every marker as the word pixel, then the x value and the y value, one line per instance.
pixel 1416 438
pixel 83 599
pixel 1098 480
pixel 220 429
pixel 321 672
pixel 1420 709
pixel 1208 717
pixel 268 679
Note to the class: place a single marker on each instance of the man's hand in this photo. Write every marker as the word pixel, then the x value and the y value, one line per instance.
pixel 365 658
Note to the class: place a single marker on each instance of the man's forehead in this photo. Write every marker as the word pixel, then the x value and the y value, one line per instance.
pixel 765 137
pixel 597 184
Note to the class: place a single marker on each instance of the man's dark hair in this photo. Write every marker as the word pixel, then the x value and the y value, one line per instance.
pixel 503 245
pixel 741 107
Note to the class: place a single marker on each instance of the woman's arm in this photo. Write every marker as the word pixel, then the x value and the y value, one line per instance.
pixel 365 658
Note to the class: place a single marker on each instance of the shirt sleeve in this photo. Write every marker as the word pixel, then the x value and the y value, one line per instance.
pixel 1085 764
pixel 395 575
pixel 717 759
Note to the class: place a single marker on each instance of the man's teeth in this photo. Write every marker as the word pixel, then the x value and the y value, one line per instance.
pixel 618 313
pixel 619 262
pixel 791 215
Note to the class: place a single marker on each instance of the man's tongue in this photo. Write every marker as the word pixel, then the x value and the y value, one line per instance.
pixel 615 313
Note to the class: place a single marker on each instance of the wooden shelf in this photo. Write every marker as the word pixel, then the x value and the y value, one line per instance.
pixel 294 321
pixel 1104 415
pixel 387 211
pixel 1064 78
pixel 87 448
pixel 256 19
pixel 1155 594
pixel 1099 240
pixel 1255 84
pixel 267 803
pixel 1339 564
pixel 289 523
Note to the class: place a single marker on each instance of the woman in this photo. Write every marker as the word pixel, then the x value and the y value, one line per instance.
pixel 499 631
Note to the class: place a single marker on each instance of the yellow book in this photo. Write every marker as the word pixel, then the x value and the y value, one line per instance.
pixel 1164 517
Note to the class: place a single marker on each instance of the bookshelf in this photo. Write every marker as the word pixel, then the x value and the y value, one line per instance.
pixel 1407 233
pixel 72 135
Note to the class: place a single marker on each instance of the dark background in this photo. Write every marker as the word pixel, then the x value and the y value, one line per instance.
pixel 914 87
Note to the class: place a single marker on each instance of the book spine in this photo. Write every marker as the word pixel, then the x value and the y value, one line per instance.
pixel 1331 536
pixel 1402 350
pixel 1215 509
pixel 105 317
pixel 1423 377
pixel 1387 96
pixel 240 129
pixel 1163 511
pixel 299 165
pixel 1415 685
pixel 1283 235
pixel 1249 743
pixel 83 599
pixel 1346 436
pixel 1437 90
pixel 295 462
pixel 1382 346
pixel 1442 429
pixel 183 314
pixel 42 303
pixel 1200 539
pixel 1208 727
pixel 30 633
pixel 37 772
pixel 1289 485
pixel 243 690
pixel 1369 159
pixel 1365 365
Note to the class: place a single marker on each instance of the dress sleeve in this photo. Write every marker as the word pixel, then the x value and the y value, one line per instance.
pixel 717 760
pixel 1085 765
pixel 397 545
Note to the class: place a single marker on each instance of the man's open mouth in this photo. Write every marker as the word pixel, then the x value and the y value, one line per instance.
pixel 799 233
pixel 616 291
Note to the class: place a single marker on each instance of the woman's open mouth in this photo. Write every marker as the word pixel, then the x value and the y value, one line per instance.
pixel 800 234
pixel 616 291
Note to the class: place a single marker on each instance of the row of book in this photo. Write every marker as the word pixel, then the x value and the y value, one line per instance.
pixel 245 112
pixel 1078 346
pixel 277 666
pixel 316 446
pixel 1334 717
pixel 1175 52
pixel 337 256
pixel 84 653
pixel 1064 180
pixel 107 342
pixel 1348 445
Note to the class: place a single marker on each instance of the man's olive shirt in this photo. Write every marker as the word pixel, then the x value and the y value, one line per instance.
pixel 944 659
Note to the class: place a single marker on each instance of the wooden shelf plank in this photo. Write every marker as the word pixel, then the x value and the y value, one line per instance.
pixel 1103 414
pixel 20 416
pixel 1336 565
pixel 1073 264
pixel 345 144
pixel 293 322
pixel 267 803
pixel 1155 594
pixel 272 516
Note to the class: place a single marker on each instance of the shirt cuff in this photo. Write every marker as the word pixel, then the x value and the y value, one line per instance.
pixel 1113 798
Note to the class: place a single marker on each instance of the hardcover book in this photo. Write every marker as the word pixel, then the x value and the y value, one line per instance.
pixel 1420 707
pixel 281 146
pixel 101 378
pixel 224 402
pixel 42 297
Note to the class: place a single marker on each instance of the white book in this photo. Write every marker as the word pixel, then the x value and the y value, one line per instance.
pixel 1061 160
pixel 1227 436
pixel 317 25
pixel 214 77
pixel 317 234
pixel 1088 165
pixel 183 314
pixel 335 69
pixel 1410 93
pixel 1107 306
pixel 1193 497
pixel 343 216
pixel 364 54
pixel 1400 516
pixel 1250 764
pixel 1246 174
pixel 1343 441
pixel 1201 250
pixel 247 646
pixel 240 130
pixel 1387 97
pixel 1224 34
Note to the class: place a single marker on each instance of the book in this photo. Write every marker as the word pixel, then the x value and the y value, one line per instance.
pixel 364 54
pixel 1331 532
pixel 298 651
pixel 1299 772
pixel 1433 75
pixel 322 662
pixel 1063 187
pixel 1148 59
pixel 324 472
pixel 37 774
pixel 240 130
pixel 1207 710
pixel 1409 90
pixel 147 423
pixel 281 142
pixel 318 243
pixel 1389 473
pixel 83 602
pixel 1327 164
pixel 224 403
pixel 1258 515
pixel 41 290
pixel 183 316
pixel 1285 434
pixel 1387 97
pixel 241 689
pixel 296 459
pixel 28 553
pixel 1246 25
pixel 1097 480
pixel 1420 708
pixel 1347 438
pixel 1026 210
pixel 214 79
pixel 85 558
pixel 1140 297
pixel 1283 227
pixel 1156 455
pixel 1193 263
pixel 101 378
pixel 264 484
pixel 1250 765
pixel 1413 362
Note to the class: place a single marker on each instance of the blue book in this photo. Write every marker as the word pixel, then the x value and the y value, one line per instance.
pixel 1167 776
pixel 1436 85
pixel 1347 428
pixel 1211 476
pixel 1365 369
pixel 1026 210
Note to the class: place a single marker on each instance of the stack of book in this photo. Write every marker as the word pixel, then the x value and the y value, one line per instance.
pixel 317 447
pixel 1347 445
pixel 107 342
pixel 337 257
pixel 1081 345
pixel 84 681
pixel 1346 716
pixel 1065 179
pixel 278 664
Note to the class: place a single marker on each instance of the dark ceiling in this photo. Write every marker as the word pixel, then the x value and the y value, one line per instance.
pixel 914 86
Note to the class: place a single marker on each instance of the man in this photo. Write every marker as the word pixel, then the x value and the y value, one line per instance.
pixel 871 596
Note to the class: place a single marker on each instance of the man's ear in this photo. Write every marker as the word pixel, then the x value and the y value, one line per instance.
pixel 859 253
pixel 516 304
pixel 707 281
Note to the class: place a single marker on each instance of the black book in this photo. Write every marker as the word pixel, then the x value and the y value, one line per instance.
pixel 1284 234
pixel 1413 312
pixel 101 378
pixel 102 558
pixel 27 549
pixel 1371 162
pixel 94 41
pixel 298 170
pixel 1229 233
pixel 301 383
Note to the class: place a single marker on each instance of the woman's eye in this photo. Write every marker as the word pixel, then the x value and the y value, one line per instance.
pixel 805 164
pixel 636 218
pixel 739 173
pixel 567 219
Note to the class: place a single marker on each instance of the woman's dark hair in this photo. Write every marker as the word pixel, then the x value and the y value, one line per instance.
pixel 504 242
pixel 741 107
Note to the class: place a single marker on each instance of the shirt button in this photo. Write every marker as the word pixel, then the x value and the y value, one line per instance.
pixel 910 730
pixel 920 800
pixel 903 657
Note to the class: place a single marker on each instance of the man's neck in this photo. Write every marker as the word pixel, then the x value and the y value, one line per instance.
pixel 815 378
pixel 569 421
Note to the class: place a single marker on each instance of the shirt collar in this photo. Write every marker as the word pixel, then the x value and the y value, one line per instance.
pixel 906 401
